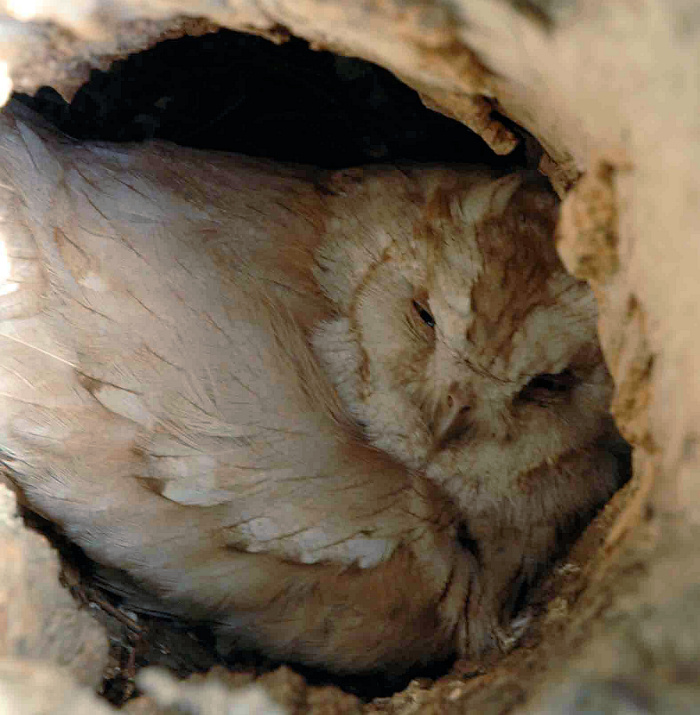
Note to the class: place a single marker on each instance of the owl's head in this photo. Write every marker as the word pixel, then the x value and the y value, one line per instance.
pixel 460 340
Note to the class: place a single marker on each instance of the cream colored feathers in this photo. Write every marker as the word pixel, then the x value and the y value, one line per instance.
pixel 342 417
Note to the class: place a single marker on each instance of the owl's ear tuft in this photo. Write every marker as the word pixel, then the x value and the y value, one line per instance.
pixel 442 210
pixel 441 205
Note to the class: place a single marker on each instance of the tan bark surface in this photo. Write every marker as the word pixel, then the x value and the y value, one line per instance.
pixel 612 92
pixel 39 619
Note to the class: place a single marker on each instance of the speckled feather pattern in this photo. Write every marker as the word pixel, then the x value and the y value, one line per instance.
pixel 278 398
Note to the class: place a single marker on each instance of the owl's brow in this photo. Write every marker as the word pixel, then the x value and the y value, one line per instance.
pixel 481 370
pixel 485 372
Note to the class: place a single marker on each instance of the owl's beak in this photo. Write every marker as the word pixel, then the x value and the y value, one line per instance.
pixel 452 416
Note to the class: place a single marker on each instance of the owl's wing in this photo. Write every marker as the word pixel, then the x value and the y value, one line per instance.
pixel 157 386
pixel 159 400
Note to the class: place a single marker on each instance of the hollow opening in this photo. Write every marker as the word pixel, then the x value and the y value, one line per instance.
pixel 229 91
pixel 234 92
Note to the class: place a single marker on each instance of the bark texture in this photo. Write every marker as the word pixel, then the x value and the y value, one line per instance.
pixel 611 91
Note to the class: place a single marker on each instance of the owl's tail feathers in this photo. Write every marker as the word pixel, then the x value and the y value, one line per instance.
pixel 391 616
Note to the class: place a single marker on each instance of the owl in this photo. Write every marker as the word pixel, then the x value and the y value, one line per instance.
pixel 344 418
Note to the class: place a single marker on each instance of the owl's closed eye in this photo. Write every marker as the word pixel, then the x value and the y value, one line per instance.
pixel 467 352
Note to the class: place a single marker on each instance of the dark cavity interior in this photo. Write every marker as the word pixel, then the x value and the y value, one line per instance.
pixel 234 92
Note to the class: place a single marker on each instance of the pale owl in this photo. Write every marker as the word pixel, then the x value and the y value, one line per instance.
pixel 342 417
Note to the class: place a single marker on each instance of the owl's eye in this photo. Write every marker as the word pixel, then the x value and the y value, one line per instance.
pixel 548 385
pixel 424 314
